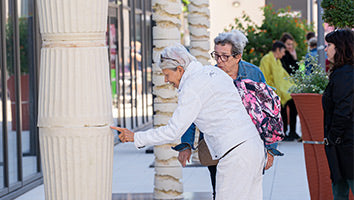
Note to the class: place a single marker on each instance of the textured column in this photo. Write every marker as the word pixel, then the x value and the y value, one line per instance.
pixel 168 171
pixel 198 20
pixel 199 23
pixel 75 108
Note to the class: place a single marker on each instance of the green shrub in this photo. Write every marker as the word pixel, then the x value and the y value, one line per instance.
pixel 338 13
pixel 314 81
pixel 275 23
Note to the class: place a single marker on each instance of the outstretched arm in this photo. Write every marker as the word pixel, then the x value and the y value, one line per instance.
pixel 125 134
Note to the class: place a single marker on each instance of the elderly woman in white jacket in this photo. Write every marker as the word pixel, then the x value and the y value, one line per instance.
pixel 208 98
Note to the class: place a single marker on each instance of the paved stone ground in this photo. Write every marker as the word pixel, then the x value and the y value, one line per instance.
pixel 133 178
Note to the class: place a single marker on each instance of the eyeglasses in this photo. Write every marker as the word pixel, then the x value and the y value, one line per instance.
pixel 224 58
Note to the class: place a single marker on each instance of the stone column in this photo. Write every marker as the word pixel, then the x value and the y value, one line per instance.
pixel 199 24
pixel 75 108
pixel 168 171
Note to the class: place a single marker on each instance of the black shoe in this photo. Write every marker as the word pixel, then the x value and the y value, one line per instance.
pixel 294 135
pixel 288 138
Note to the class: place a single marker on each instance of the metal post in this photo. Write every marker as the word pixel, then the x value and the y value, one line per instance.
pixel 320 37
pixel 311 11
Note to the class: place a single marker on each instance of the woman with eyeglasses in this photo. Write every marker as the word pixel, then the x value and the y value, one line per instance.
pixel 338 107
pixel 208 98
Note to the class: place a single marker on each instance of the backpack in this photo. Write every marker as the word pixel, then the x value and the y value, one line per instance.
pixel 263 105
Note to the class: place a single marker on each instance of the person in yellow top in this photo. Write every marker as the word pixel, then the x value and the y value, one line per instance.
pixel 276 76
pixel 274 73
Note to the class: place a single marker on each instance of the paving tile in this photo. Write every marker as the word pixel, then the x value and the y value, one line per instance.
pixel 133 179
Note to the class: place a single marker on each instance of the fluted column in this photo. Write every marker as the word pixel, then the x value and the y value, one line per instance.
pixel 168 171
pixel 199 24
pixel 75 108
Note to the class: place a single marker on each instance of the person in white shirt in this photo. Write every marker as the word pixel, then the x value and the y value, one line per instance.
pixel 208 98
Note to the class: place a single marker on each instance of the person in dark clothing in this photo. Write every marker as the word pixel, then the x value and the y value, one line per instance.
pixel 289 62
pixel 310 35
pixel 338 107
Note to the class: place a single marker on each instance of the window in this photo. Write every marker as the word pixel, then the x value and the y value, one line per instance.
pixel 129 64
pixel 19 156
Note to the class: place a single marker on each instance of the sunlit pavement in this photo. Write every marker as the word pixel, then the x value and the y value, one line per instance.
pixel 133 178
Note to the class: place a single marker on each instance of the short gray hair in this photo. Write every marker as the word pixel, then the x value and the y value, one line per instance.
pixel 313 42
pixel 235 38
pixel 175 55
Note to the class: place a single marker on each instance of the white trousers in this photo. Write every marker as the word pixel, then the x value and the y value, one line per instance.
pixel 239 173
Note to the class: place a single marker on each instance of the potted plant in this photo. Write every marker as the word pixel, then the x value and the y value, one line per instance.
pixel 24 69
pixel 309 84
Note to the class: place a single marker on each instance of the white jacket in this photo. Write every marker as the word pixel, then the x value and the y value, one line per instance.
pixel 206 96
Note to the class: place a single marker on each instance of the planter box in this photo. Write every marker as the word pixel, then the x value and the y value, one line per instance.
pixel 309 108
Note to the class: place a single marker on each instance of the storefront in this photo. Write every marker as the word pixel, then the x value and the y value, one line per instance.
pixel 129 43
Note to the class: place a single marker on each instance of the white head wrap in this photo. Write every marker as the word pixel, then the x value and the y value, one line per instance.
pixel 175 55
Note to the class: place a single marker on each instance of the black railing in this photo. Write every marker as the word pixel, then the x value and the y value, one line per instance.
pixel 19 58
pixel 129 60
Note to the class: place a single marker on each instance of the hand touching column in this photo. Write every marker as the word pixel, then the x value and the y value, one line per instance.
pixel 125 134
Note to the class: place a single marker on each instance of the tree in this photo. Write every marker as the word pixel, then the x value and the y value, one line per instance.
pixel 275 23
pixel 338 13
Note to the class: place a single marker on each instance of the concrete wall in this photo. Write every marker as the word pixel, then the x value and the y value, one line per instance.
pixel 302 6
pixel 298 5
pixel 223 13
